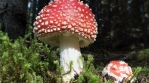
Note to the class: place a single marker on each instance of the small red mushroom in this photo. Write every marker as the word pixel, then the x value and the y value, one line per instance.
pixel 117 71
pixel 69 24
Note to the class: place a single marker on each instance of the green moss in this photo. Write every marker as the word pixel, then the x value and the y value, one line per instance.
pixel 20 62
pixel 143 55
pixel 89 74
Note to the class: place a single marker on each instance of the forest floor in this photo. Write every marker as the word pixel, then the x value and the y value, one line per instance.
pixel 133 59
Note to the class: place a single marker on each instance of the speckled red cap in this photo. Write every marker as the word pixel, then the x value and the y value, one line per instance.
pixel 119 70
pixel 66 17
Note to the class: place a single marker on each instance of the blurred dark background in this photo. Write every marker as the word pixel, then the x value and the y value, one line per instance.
pixel 123 25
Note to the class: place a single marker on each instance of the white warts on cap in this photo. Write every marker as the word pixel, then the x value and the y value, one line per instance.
pixel 73 17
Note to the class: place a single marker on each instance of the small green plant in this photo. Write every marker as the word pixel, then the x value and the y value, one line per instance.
pixel 135 74
pixel 89 74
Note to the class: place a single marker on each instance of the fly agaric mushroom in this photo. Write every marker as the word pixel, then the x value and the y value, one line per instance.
pixel 69 24
pixel 117 71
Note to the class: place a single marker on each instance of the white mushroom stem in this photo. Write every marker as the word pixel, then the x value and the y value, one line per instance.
pixel 70 51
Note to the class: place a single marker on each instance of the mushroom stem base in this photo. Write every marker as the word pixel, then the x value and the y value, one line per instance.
pixel 70 51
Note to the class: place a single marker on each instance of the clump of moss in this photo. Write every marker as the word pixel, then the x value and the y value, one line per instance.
pixel 20 63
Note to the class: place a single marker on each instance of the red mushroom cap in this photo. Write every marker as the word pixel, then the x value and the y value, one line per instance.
pixel 119 70
pixel 66 16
